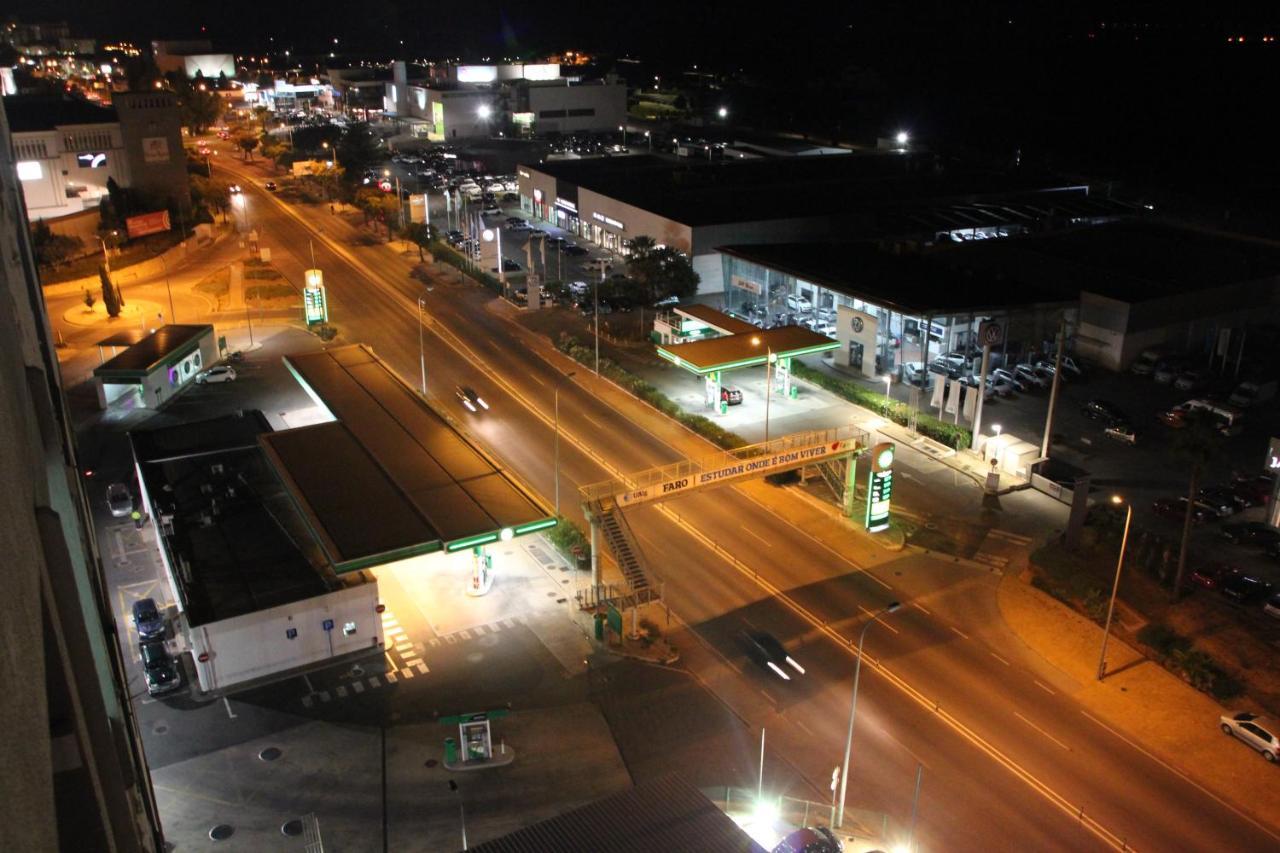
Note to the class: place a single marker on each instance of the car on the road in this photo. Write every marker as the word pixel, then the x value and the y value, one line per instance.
pixel 730 395
pixel 515 220
pixel 1105 411
pixel 491 210
pixel 1256 731
pixel 767 651
pixel 1245 588
pixel 1176 508
pixel 147 619
pixel 470 399
pixel 234 189
pixel 159 668
pixel 271 186
pixel 1256 533
pixel 518 225
pixel 119 500
pixel 221 373
pixel 1211 576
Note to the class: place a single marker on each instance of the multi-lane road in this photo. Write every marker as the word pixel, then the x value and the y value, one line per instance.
pixel 1010 759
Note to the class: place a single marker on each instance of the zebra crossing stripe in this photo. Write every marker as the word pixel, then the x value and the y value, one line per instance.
pixel 422 668
pixel 391 677
pixel 375 683
pixel 341 691
pixel 357 686
pixel 406 673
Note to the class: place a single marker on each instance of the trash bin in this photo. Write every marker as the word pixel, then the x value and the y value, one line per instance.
pixel 724 407
pixel 795 392
pixel 450 751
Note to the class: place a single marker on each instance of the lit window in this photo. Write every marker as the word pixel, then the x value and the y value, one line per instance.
pixel 29 170
pixel 348 629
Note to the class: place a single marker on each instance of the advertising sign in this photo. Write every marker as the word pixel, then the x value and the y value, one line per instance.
pixel 147 223
pixel 1273 456
pixel 155 149
pixel 739 468
pixel 315 304
pixel 990 333
pixel 746 284
pixel 880 487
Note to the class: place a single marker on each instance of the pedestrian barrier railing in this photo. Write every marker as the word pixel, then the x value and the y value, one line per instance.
pixel 795 813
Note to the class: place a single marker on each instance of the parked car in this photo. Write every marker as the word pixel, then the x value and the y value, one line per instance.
pixel 1001 386
pixel 1167 370
pixel 913 373
pixel 159 668
pixel 797 302
pixel 518 225
pixel 1030 376
pixel 1176 508
pixel 1103 410
pixel 508 265
pixel 221 373
pixel 767 651
pixel 573 251
pixel 1256 731
pixel 1012 378
pixel 1192 380
pixel 147 619
pixel 1251 533
pixel 1245 589
pixel 1254 491
pixel 470 399
pixel 1220 500
pixel 730 395
pixel 119 500
pixel 1211 576
pixel 1046 368
pixel 491 210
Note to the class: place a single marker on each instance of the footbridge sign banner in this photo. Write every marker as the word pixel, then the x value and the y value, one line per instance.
pixel 738 468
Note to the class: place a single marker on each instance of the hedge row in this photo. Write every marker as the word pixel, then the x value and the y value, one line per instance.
pixel 569 539
pixel 442 251
pixel 705 427
pixel 951 435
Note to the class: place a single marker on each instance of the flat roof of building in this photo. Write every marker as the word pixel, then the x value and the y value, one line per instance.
pixel 123 338
pixel 162 347
pixel 726 323
pixel 392 477
pixel 666 814
pixel 1128 260
pixel 696 192
pixel 225 519
pixel 745 350
pixel 32 113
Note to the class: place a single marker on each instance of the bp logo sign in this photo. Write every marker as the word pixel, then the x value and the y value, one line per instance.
pixel 880 487
pixel 857 324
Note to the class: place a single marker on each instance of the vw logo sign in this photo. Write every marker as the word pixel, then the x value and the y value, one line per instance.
pixel 857 324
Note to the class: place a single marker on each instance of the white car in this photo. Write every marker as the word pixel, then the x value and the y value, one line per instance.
pixel 221 373
pixel 1000 385
pixel 798 303
pixel 119 501
pixel 1248 728
pixel 496 187
pixel 1030 376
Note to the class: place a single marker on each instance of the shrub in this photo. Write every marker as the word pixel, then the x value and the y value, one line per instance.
pixel 1162 639
pixel 568 538
pixel 326 332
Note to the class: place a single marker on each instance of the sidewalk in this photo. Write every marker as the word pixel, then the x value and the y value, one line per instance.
pixel 1173 722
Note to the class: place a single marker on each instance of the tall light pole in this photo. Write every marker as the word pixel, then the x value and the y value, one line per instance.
pixel 1115 587
pixel 557 462
pixel 623 128
pixel 768 382
pixel 596 314
pixel 648 137
pixel 422 353
pixel 462 814
pixel 173 318
pixel 853 707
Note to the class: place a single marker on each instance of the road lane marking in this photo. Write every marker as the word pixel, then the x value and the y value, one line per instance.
pixel 375 683
pixel 1042 731
pixel 958 631
pixel 1167 766
pixel 756 536
pixel 804 728
pixel 921 607
pixel 227 702
pixel 997 657
pixel 1044 688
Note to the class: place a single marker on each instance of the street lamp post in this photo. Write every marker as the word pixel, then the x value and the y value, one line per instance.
pixel 768 383
pixel 462 814
pixel 623 128
pixel 853 707
pixel 557 462
pixel 173 317
pixel 422 353
pixel 648 137
pixel 596 314
pixel 1115 587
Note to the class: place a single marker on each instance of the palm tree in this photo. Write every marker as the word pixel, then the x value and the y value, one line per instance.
pixel 1197 445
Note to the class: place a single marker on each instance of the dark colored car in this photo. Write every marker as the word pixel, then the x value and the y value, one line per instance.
pixel 1219 499
pixel 271 186
pixel 470 399
pixel 730 395
pixel 767 651
pixel 1254 491
pixel 574 251
pixel 508 265
pixel 159 668
pixel 1103 410
pixel 1251 533
pixel 1244 588
pixel 147 619
pixel 1176 509
pixel 1212 576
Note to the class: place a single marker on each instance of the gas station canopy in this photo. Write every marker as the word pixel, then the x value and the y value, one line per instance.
pixel 390 478
pixel 746 349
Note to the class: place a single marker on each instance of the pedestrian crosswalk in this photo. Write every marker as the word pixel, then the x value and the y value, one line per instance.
pixel 999 547
pixel 403 663
pixel 476 632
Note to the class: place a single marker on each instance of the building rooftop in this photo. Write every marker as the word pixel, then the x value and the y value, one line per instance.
pixel 666 814
pixel 165 345
pixel 698 193
pixel 227 525
pixel 397 478
pixel 726 323
pixel 28 113
pixel 745 350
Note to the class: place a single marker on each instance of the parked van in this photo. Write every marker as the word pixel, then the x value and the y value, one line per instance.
pixel 1253 392
pixel 1226 420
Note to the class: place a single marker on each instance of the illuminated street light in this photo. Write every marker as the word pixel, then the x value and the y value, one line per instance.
pixel 1115 587
pixel 892 607
pixel 484 111
pixel 768 382
pixel 903 137
pixel 723 112
pixel 996 428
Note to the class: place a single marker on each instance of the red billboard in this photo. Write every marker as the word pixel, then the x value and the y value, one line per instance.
pixel 147 223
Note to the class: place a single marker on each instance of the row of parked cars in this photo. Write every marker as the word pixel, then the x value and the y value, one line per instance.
pixel 159 668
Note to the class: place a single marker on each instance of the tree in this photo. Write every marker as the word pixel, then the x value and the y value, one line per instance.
pixel 358 149
pixel 214 193
pixel 110 296
pixel 89 300
pixel 262 113
pixel 247 143
pixel 1197 445
pixel 660 272
pixel 418 233
pixel 50 248
pixel 198 107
